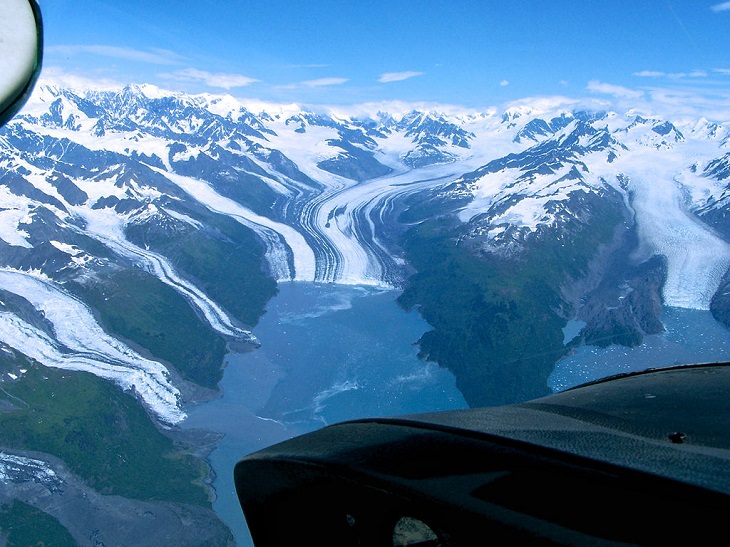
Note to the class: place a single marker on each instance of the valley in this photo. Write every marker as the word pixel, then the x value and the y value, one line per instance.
pixel 144 232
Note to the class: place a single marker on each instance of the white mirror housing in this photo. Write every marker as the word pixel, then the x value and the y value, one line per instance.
pixel 21 52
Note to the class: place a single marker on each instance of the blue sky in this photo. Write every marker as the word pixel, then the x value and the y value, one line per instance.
pixel 469 53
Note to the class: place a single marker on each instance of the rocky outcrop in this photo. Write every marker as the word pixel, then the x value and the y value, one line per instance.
pixel 625 307
pixel 720 304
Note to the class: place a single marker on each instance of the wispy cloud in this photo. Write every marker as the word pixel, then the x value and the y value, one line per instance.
pixel 615 90
pixel 212 79
pixel 504 83
pixel 693 74
pixel 694 102
pixel 724 6
pixel 389 77
pixel 58 76
pixel 722 70
pixel 650 74
pixel 672 75
pixel 311 65
pixel 323 82
pixel 152 56
pixel 692 99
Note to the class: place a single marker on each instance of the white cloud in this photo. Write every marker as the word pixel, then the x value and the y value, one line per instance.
pixel 504 83
pixel 323 82
pixel 153 56
pixel 673 75
pixel 399 109
pixel 57 76
pixel 213 79
pixel 724 6
pixel 398 76
pixel 650 74
pixel 541 104
pixel 691 102
pixel 722 70
pixel 615 90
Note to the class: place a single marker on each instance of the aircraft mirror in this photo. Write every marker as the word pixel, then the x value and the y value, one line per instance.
pixel 21 52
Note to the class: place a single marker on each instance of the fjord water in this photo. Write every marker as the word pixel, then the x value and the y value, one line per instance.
pixel 332 352
pixel 691 336
pixel 328 353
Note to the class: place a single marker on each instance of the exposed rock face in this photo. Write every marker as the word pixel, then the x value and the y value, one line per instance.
pixel 619 300
pixel 626 307
pixel 720 305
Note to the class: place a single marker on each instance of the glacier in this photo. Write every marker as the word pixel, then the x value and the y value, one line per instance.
pixel 353 218
pixel 697 258
pixel 97 182
pixel 18 469
pixel 660 190
pixel 108 229
pixel 663 194
pixel 281 240
pixel 81 344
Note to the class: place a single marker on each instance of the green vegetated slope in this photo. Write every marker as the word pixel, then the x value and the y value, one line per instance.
pixel 225 260
pixel 139 307
pixel 102 434
pixel 22 525
pixel 497 318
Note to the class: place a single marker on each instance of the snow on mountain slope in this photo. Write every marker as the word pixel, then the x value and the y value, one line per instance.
pixel 80 170
pixel 144 122
pixel 76 342
pixel 649 161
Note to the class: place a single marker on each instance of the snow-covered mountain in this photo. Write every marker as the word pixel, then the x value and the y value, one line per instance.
pixel 108 179
pixel 669 183
pixel 96 181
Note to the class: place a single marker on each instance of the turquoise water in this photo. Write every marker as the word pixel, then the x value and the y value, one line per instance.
pixel 329 353
pixel 691 336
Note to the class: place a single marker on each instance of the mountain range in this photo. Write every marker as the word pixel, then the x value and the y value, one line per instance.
pixel 143 231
